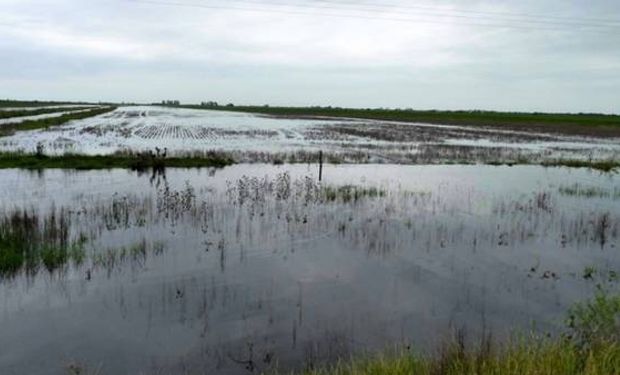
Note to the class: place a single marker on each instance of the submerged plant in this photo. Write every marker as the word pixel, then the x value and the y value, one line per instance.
pixel 27 242
pixel 596 321
pixel 350 193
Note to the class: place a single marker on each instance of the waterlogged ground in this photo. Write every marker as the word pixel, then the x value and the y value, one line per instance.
pixel 250 267
pixel 255 138
pixel 19 119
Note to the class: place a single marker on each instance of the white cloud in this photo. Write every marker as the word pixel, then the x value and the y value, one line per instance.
pixel 187 52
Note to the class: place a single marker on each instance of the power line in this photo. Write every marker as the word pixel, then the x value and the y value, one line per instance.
pixel 614 22
pixel 433 12
pixel 348 15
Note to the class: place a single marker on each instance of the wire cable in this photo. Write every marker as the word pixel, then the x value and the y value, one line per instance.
pixel 615 22
pixel 359 16
pixel 431 13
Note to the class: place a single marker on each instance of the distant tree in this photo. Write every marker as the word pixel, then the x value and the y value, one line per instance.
pixel 209 104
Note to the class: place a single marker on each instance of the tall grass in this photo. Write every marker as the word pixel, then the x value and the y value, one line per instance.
pixel 540 357
pixel 28 241
pixel 590 347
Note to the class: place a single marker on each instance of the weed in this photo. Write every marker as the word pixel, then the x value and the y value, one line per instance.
pixel 597 321
pixel 28 241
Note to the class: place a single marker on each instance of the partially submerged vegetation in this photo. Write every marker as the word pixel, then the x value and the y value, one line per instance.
pixel 350 193
pixel 35 112
pixel 591 346
pixel 138 161
pixel 4 103
pixel 602 165
pixel 578 190
pixel 371 217
pixel 535 357
pixel 565 123
pixel 10 129
pixel 28 241
pixel 144 160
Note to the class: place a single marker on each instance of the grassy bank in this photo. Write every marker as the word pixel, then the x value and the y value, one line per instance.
pixel 9 129
pixel 575 124
pixel 590 346
pixel 128 161
pixel 35 112
pixel 543 357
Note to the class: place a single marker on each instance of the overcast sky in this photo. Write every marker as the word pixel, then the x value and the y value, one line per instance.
pixel 552 55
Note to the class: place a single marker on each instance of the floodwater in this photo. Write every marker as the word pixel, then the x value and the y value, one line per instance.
pixel 34 108
pixel 17 120
pixel 255 138
pixel 242 269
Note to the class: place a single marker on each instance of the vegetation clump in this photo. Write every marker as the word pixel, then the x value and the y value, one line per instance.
pixel 541 357
pixel 350 193
pixel 596 322
pixel 579 190
pixel 602 165
pixel 140 161
pixel 592 347
pixel 28 241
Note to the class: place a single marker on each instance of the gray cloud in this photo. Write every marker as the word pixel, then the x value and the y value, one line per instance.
pixel 127 50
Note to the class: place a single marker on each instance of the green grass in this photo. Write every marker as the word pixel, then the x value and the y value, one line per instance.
pixel 579 124
pixel 596 322
pixel 541 357
pixel 35 112
pixel 128 161
pixel 10 129
pixel 590 347
pixel 28 241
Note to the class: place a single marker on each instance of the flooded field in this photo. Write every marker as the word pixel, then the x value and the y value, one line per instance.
pixel 20 119
pixel 257 138
pixel 251 267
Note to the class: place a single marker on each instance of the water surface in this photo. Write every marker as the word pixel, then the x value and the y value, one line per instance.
pixel 235 270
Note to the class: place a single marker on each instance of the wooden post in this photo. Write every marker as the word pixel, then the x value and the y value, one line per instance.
pixel 320 165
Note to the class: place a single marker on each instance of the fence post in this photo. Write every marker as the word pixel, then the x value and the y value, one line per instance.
pixel 320 165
